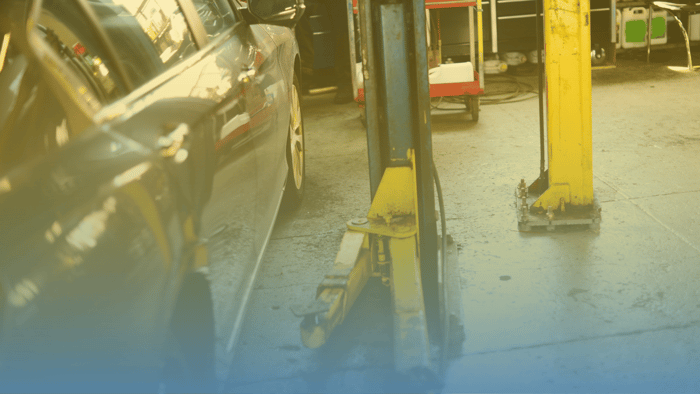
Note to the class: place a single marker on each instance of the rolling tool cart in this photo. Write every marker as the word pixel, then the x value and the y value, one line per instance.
pixel 446 79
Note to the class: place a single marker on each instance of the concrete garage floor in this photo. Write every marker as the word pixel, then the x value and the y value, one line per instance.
pixel 614 310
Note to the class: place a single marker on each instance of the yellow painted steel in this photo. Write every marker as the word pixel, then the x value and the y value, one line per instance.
pixel 315 335
pixel 568 68
pixel 188 230
pixel 3 50
pixel 395 195
pixel 200 256
pixel 393 215
pixel 411 343
pixel 340 288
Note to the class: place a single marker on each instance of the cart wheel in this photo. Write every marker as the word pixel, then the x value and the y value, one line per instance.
pixel 472 103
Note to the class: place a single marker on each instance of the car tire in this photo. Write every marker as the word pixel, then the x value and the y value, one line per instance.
pixel 296 156
pixel 190 355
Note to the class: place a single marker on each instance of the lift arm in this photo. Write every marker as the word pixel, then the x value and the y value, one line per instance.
pixel 384 245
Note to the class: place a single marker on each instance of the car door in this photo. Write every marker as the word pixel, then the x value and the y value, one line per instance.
pixel 189 114
pixel 225 166
pixel 229 220
pixel 207 92
pixel 270 112
pixel 168 139
pixel 92 233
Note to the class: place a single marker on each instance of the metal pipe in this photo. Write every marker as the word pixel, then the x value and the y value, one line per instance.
pixel 538 37
pixel 443 226
pixel 393 35
pixel 687 42
pixel 480 33
pixel 613 21
pixel 351 44
pixel 650 10
pixel 494 29
pixel 427 227
pixel 371 103
pixel 502 18
pixel 472 40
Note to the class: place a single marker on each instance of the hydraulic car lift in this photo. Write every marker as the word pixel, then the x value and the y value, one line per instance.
pixel 398 240
pixel 563 194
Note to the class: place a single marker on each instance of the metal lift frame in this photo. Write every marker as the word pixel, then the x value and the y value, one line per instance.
pixel 398 239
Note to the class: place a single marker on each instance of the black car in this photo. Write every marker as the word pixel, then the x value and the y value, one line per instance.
pixel 146 147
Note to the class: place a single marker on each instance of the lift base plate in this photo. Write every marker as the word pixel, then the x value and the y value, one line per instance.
pixel 531 220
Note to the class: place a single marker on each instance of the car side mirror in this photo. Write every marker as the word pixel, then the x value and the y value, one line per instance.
pixel 274 12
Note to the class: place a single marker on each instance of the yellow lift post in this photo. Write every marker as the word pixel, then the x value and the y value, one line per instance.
pixel 398 240
pixel 563 195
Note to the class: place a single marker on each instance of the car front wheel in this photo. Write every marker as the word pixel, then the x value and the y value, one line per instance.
pixel 296 160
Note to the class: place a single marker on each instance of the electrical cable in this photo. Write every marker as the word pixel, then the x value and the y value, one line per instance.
pixel 522 91
pixel 443 223
pixel 436 106
pixel 521 88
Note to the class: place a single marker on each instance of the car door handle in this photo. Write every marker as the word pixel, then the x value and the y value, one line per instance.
pixel 247 75
pixel 171 144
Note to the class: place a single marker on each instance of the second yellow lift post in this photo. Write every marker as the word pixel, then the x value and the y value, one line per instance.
pixel 568 198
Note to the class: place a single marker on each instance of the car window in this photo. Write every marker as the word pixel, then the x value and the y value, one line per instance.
pixel 164 31
pixel 148 36
pixel 32 120
pixel 216 15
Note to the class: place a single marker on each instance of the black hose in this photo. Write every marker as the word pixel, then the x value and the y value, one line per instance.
pixel 522 91
pixel 443 222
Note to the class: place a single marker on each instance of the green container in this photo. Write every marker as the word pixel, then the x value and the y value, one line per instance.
pixel 636 31
pixel 634 27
